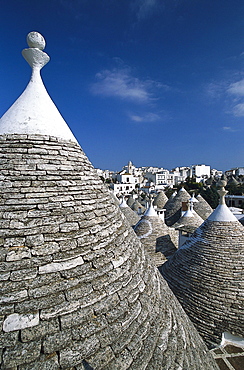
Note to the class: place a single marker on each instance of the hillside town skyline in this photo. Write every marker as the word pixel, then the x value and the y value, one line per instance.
pixel 211 170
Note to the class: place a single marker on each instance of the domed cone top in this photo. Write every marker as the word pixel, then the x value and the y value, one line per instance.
pixel 131 216
pixel 173 206
pixel 189 218
pixel 160 200
pixel 202 208
pixel 34 111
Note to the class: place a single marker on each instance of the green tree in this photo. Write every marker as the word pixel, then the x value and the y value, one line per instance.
pixel 211 196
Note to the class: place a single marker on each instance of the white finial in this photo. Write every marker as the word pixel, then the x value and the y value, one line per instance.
pixel 34 111
pixel 189 212
pixel 34 55
pixel 151 211
pixel 123 204
pixel 35 40
pixel 222 192
pixel 222 212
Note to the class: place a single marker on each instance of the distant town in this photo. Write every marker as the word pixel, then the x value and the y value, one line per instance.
pixel 154 179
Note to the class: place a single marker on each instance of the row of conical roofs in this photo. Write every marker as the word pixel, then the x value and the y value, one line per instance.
pixel 206 274
pixel 78 290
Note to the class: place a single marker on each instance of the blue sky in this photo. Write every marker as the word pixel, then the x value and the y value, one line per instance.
pixel 158 82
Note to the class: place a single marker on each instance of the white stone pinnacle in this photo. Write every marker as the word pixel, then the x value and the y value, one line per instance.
pixel 34 111
pixel 222 212
pixel 35 40
pixel 123 204
pixel 150 212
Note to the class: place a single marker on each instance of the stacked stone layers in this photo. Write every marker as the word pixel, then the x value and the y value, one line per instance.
pixel 160 200
pixel 195 221
pixel 173 206
pixel 76 286
pixel 206 275
pixel 130 200
pixel 131 216
pixel 155 236
pixel 138 207
pixel 202 207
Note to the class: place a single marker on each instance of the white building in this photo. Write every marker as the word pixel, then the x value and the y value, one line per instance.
pixel 235 171
pixel 124 189
pixel 126 178
pixel 200 171
pixel 160 179
pixel 106 174
pixel 216 173
pixel 180 174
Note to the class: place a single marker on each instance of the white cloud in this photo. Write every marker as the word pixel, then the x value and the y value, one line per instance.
pixel 120 83
pixel 145 8
pixel 238 110
pixel 236 88
pixel 148 117
pixel 229 129
pixel 215 89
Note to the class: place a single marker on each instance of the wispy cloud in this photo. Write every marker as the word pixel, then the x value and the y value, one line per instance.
pixel 147 117
pixel 119 82
pixel 237 89
pixel 216 89
pixel 230 93
pixel 238 110
pixel 145 8
pixel 229 129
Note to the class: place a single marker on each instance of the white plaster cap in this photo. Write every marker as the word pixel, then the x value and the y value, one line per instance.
pixel 193 199
pixel 123 204
pixel 222 213
pixel 34 111
pixel 182 189
pixel 188 213
pixel 151 211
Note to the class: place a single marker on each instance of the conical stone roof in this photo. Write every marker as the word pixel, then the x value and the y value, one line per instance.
pixel 189 218
pixel 160 200
pixel 206 275
pixel 202 208
pixel 137 205
pixel 77 290
pixel 232 181
pixel 173 206
pixel 130 200
pixel 156 236
pixel 131 216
